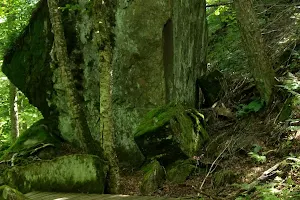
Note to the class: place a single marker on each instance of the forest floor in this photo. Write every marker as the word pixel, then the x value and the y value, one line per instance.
pixel 252 156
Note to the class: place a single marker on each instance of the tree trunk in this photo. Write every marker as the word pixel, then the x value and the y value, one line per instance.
pixel 106 12
pixel 76 113
pixel 14 119
pixel 259 61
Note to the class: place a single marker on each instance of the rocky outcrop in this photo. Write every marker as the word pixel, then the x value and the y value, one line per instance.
pixel 155 62
pixel 157 57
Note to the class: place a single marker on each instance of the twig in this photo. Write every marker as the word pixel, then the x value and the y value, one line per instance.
pixel 212 165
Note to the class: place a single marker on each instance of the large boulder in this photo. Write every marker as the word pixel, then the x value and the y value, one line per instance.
pixel 73 173
pixel 171 132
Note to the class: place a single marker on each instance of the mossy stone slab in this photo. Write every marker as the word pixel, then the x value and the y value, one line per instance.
pixel 73 173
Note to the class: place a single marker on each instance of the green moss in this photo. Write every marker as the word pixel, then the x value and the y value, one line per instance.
pixel 37 134
pixel 153 177
pixel 173 131
pixel 157 118
pixel 8 193
pixel 74 173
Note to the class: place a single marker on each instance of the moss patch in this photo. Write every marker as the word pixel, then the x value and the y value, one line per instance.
pixel 39 133
pixel 74 173
pixel 170 133
pixel 153 178
pixel 8 193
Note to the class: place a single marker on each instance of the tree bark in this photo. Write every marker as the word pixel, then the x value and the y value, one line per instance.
pixel 14 119
pixel 106 11
pixel 259 61
pixel 83 136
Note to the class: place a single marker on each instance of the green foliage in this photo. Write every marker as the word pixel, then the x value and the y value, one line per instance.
pixel 14 15
pixel 272 191
pixel 71 7
pixel 224 51
pixel 257 155
pixel 254 106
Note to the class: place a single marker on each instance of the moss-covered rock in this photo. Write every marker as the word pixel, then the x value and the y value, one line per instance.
pixel 179 171
pixel 74 173
pixel 39 136
pixel 8 193
pixel 170 133
pixel 153 178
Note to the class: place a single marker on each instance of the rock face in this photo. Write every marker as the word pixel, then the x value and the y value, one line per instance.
pixel 158 54
pixel 74 173
pixel 138 80
pixel 170 132
pixel 155 62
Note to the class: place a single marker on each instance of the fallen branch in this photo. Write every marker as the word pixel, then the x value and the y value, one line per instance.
pixel 211 169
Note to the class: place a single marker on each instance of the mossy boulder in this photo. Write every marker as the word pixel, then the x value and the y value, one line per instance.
pixel 171 132
pixel 8 193
pixel 73 173
pixel 40 136
pixel 179 171
pixel 153 179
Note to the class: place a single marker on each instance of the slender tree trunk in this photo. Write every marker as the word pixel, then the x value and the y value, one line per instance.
pixel 14 119
pixel 259 61
pixel 106 11
pixel 83 135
